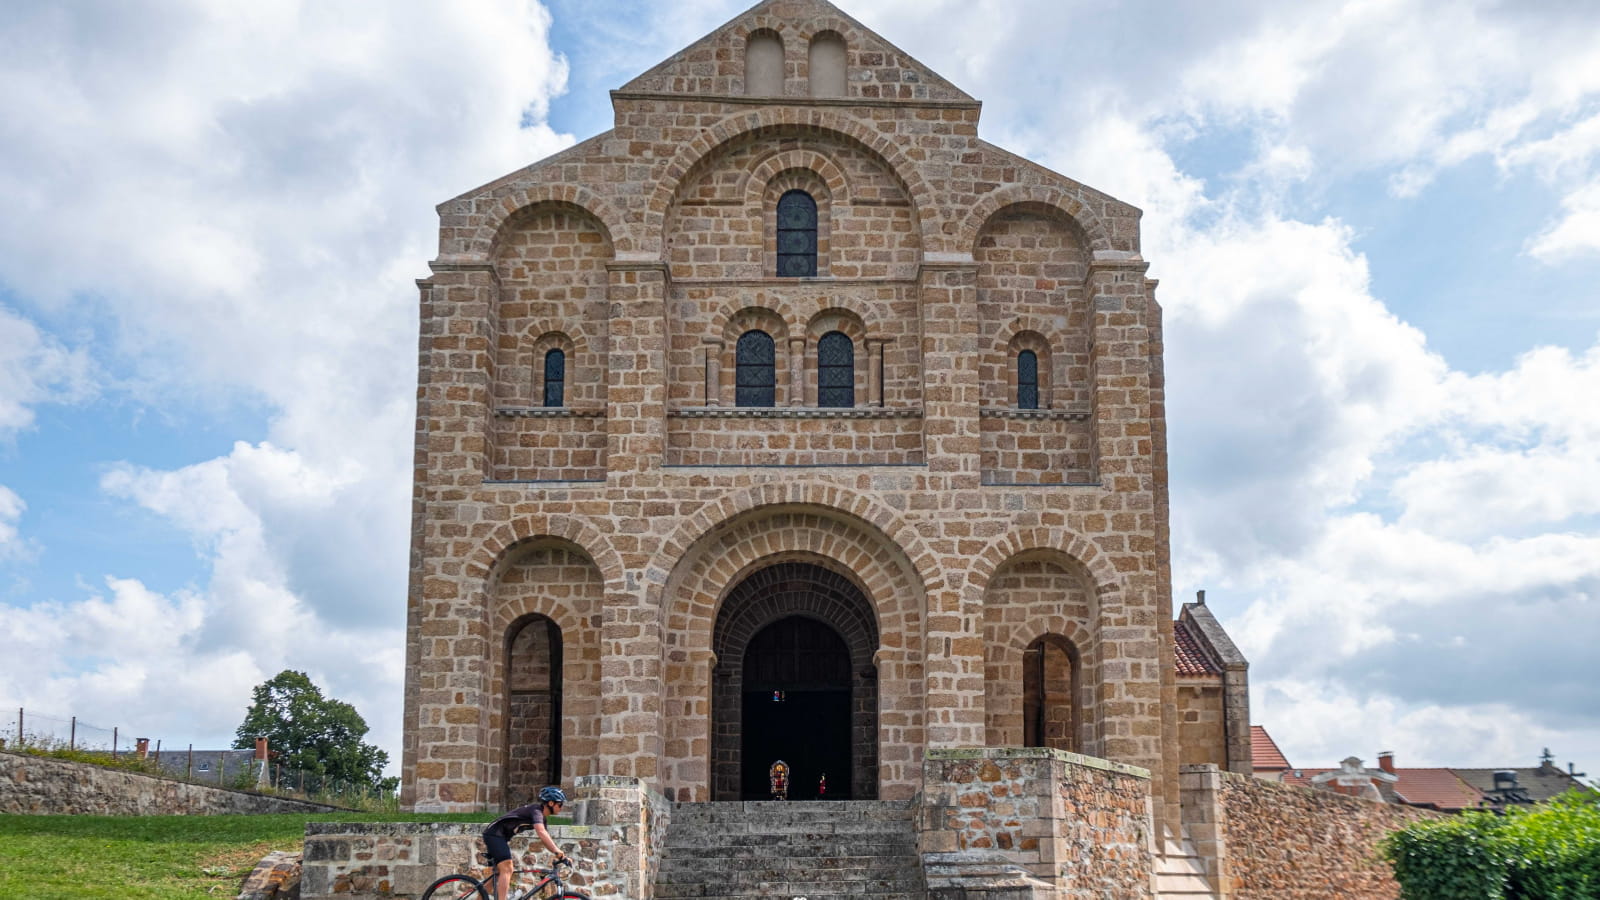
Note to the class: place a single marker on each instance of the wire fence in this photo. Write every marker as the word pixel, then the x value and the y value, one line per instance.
pixel 68 737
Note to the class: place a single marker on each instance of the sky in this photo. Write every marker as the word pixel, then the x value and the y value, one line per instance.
pixel 1376 224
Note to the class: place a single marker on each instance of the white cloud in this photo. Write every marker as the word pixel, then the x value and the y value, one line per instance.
pixel 35 368
pixel 238 201
pixel 1578 230
pixel 11 509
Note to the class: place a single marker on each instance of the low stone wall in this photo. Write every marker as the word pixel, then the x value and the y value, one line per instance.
pixel 614 846
pixel 35 785
pixel 1035 823
pixel 1270 841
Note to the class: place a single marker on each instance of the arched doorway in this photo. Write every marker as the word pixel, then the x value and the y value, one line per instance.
pixel 795 681
pixel 533 706
pixel 1050 689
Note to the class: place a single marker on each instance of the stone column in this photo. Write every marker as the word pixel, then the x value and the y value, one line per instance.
pixel 713 350
pixel 875 372
pixel 797 371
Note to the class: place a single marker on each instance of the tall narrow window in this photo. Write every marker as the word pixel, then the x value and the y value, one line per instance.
pixel 555 377
pixel 836 370
pixel 797 235
pixel 763 64
pixel 756 380
pixel 1027 380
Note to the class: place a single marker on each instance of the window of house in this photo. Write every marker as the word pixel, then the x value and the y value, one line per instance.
pixel 836 370
pixel 555 377
pixel 756 376
pixel 797 235
pixel 1027 380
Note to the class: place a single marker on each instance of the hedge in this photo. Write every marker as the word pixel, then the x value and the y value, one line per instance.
pixel 1548 852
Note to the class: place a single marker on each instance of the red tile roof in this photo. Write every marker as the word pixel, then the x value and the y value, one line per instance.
pixel 1436 787
pixel 1264 752
pixel 1191 660
pixel 1439 788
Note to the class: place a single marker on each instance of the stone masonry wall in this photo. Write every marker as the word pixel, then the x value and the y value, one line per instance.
pixel 1271 841
pixel 675 210
pixel 1072 826
pixel 614 846
pixel 1202 731
pixel 36 786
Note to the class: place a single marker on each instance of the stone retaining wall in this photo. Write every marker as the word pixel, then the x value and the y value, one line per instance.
pixel 34 785
pixel 1035 822
pixel 1270 841
pixel 615 846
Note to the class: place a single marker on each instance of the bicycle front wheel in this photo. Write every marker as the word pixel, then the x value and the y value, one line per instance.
pixel 456 887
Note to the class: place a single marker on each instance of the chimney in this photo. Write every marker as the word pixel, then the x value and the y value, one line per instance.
pixel 1200 598
pixel 1386 761
pixel 142 747
pixel 261 748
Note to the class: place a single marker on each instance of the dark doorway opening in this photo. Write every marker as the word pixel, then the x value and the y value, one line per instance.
pixel 533 708
pixel 796 707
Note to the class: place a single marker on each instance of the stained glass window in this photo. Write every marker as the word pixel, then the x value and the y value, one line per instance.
pixel 555 377
pixel 756 377
pixel 1027 380
pixel 797 235
pixel 836 370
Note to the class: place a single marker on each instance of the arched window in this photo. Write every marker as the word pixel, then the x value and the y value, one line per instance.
pixel 836 370
pixel 1027 380
pixel 756 381
pixel 797 235
pixel 555 377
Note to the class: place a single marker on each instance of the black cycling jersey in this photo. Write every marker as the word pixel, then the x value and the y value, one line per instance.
pixel 519 819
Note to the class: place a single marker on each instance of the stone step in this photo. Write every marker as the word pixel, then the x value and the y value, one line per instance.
pixel 811 890
pixel 740 855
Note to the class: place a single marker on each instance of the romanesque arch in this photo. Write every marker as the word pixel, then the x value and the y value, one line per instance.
pixel 542 688
pixel 768 599
pixel 1068 202
pixel 709 144
pixel 481 242
pixel 729 550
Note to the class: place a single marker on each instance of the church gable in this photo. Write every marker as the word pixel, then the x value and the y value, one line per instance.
pixel 796 49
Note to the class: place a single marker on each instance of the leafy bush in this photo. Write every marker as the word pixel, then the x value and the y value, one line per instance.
pixel 1550 852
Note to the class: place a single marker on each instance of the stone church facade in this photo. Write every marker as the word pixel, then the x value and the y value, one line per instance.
pixel 790 419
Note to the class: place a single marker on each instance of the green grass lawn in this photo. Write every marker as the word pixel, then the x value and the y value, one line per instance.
pixel 151 857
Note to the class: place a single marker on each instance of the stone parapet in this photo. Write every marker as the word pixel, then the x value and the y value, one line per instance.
pixel 33 785
pixel 1034 822
pixel 615 844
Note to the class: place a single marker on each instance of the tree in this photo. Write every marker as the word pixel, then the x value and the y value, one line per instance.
pixel 310 732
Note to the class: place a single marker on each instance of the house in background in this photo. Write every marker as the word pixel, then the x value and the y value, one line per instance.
pixel 1446 789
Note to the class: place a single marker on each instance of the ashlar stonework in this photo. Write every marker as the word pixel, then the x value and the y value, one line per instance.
pixel 677 515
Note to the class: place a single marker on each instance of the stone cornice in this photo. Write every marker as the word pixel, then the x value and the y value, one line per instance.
pixel 792 412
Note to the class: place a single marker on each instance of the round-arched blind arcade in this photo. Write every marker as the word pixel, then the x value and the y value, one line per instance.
pixel 756 375
pixel 797 235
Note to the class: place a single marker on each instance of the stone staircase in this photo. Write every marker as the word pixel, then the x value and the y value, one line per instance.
pixel 816 850
pixel 1180 872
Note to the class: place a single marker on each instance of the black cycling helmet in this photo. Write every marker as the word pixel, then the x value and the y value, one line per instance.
pixel 552 794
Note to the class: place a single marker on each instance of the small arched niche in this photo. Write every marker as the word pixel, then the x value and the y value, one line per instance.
pixel 827 65
pixel 763 64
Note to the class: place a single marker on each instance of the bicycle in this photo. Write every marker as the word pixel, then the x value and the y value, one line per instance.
pixel 465 887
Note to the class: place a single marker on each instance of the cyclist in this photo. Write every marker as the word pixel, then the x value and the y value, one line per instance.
pixel 497 837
